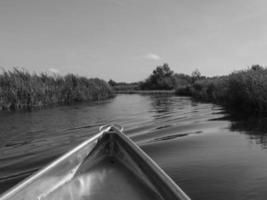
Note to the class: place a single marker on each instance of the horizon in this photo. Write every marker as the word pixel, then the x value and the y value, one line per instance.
pixel 51 72
pixel 125 40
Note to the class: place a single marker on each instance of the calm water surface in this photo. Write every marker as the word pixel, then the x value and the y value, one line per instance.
pixel 210 153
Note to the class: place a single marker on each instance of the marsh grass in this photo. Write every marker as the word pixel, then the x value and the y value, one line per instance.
pixel 245 90
pixel 21 90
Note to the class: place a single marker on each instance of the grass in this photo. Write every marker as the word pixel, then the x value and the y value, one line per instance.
pixel 22 90
pixel 245 90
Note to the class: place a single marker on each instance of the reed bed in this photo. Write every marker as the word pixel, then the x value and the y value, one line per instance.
pixel 21 90
pixel 245 90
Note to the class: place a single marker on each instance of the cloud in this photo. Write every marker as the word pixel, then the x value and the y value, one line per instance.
pixel 117 2
pixel 153 56
pixel 53 70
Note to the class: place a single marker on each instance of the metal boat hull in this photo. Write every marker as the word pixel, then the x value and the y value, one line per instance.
pixel 106 166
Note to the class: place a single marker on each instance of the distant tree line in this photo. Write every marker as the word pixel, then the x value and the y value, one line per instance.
pixel 162 78
pixel 123 86
pixel 245 89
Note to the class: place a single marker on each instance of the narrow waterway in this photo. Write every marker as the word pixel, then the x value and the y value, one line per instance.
pixel 210 153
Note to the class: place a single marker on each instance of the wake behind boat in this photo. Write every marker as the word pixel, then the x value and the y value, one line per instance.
pixel 107 166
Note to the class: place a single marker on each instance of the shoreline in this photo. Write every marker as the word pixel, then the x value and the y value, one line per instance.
pixel 145 92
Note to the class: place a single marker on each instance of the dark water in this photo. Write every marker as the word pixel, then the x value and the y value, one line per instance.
pixel 210 153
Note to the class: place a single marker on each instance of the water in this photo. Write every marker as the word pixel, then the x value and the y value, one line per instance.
pixel 209 152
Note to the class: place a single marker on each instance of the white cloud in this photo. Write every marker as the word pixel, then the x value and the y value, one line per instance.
pixel 53 70
pixel 117 2
pixel 153 56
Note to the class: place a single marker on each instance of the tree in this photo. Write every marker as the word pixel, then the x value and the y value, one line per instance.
pixel 160 79
pixel 112 83
pixel 163 71
pixel 257 68
pixel 196 75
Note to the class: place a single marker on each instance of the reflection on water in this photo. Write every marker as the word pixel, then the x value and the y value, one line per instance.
pixel 255 128
pixel 209 152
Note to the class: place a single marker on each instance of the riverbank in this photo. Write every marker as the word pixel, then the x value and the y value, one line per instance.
pixel 145 91
pixel 244 90
pixel 22 90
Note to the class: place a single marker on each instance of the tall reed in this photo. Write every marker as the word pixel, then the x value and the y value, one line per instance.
pixel 19 89
pixel 245 89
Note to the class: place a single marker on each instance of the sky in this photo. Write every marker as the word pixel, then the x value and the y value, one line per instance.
pixel 125 40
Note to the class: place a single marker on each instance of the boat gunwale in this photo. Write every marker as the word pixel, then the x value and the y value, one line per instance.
pixel 52 164
pixel 154 166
